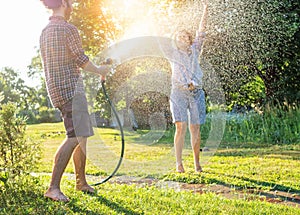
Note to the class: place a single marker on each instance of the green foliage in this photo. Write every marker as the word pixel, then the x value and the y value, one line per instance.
pixel 16 154
pixel 35 69
pixel 14 90
pixel 96 28
pixel 268 125
pixel 271 125
pixel 249 95
pixel 27 99
pixel 261 35
pixel 34 104
pixel 48 115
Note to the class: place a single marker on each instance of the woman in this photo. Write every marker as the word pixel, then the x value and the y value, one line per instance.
pixel 187 98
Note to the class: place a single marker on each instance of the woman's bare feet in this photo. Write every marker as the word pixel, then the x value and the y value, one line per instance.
pixel 179 168
pixel 85 188
pixel 56 195
pixel 198 168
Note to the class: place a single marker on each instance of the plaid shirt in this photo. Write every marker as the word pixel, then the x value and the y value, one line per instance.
pixel 62 56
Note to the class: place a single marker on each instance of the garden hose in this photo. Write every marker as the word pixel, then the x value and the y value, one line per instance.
pixel 122 136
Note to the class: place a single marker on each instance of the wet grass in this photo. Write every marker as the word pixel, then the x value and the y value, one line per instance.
pixel 267 168
pixel 25 196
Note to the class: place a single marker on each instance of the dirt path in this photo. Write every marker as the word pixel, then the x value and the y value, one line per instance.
pixel 277 197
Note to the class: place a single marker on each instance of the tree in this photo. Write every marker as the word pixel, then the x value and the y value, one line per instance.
pixel 96 28
pixel 35 71
pixel 14 90
pixel 248 38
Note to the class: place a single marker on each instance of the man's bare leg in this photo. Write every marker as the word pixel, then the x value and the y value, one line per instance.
pixel 179 142
pixel 79 160
pixel 195 142
pixel 62 157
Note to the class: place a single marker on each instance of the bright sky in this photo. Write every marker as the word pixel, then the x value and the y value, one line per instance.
pixel 21 22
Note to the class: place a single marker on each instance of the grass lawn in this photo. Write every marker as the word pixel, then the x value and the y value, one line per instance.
pixel 261 170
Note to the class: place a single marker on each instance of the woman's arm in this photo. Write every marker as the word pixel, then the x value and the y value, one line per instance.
pixel 200 33
pixel 202 24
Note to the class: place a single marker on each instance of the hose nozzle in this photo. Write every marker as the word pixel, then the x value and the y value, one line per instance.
pixel 108 61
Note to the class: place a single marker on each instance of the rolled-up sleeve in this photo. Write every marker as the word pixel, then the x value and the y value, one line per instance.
pixel 75 47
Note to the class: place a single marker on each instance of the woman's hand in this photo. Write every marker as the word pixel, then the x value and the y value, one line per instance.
pixel 204 3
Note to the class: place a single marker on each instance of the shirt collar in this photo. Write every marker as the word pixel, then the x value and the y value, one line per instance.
pixel 57 18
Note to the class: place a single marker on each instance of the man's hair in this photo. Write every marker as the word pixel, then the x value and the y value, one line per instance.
pixel 52 4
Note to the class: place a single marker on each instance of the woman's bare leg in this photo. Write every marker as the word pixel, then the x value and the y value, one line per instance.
pixel 195 143
pixel 179 143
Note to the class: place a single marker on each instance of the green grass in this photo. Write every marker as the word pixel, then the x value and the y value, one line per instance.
pixel 259 167
pixel 126 199
pixel 276 167
pixel 255 169
pixel 103 150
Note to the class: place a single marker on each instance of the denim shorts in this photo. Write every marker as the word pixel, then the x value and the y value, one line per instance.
pixel 188 105
pixel 76 117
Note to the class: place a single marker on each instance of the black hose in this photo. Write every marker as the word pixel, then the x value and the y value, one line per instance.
pixel 122 137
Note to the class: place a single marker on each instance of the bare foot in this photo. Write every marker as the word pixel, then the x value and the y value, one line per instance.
pixel 56 195
pixel 85 188
pixel 179 168
pixel 198 168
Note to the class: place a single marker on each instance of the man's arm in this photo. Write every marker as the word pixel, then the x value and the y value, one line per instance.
pixel 102 70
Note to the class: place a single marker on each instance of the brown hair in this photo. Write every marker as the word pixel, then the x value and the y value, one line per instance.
pixel 186 32
pixel 179 32
pixel 52 4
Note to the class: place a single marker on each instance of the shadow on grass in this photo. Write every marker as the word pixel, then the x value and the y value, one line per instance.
pixel 74 207
pixel 257 186
pixel 277 192
pixel 288 194
pixel 271 152
pixel 274 187
pixel 116 207
pixel 256 183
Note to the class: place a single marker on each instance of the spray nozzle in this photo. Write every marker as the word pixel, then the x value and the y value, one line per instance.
pixel 108 61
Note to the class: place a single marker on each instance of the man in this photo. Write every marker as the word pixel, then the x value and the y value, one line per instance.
pixel 63 56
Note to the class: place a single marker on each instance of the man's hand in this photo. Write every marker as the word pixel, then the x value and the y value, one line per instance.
pixel 103 70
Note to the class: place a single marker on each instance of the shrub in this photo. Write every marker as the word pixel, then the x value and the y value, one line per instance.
pixel 16 154
pixel 272 125
pixel 48 115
